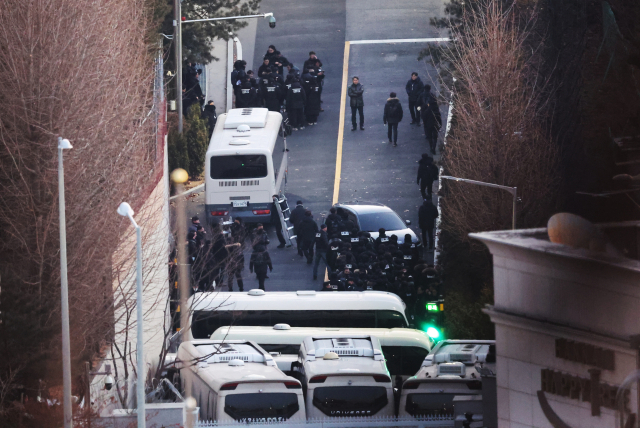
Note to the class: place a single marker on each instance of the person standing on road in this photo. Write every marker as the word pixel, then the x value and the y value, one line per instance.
pixel 296 216
pixel 392 116
pixel 311 63
pixel 427 174
pixel 414 89
pixel 296 100
pixel 209 114
pixel 259 262
pixel 308 229
pixel 322 246
pixel 312 109
pixel 426 220
pixel 430 112
pixel 357 102
pixel 275 221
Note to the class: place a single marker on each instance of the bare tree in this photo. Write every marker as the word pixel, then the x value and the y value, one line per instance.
pixel 499 133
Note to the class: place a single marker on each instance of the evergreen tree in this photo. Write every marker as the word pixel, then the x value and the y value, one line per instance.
pixel 177 149
pixel 198 37
pixel 196 140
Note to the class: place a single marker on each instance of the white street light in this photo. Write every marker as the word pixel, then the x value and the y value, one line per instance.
pixel 125 210
pixel 64 293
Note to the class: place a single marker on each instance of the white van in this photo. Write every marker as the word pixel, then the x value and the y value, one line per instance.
pixel 404 349
pixel 238 381
pixel 362 309
pixel 344 375
pixel 452 369
pixel 246 164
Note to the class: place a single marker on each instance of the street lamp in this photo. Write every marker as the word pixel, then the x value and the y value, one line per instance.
pixel 179 176
pixel 177 22
pixel 512 190
pixel 64 290
pixel 125 210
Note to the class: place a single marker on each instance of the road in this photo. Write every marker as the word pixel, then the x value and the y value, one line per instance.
pixel 372 170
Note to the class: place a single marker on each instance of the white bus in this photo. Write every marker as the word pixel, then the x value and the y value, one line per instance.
pixel 238 381
pixel 246 164
pixel 404 349
pixel 453 369
pixel 363 309
pixel 344 375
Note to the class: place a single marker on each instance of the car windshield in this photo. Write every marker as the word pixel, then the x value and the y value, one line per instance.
pixel 371 222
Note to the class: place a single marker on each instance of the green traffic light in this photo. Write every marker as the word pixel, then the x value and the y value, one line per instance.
pixel 433 332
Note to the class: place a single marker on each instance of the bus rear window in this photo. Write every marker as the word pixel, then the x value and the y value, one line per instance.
pixel 350 400
pixel 238 167
pixel 261 407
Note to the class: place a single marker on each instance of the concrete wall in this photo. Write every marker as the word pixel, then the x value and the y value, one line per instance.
pixel 544 292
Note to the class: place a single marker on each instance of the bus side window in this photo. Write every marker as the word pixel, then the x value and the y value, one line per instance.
pixel 412 358
pixel 390 319
pixel 249 318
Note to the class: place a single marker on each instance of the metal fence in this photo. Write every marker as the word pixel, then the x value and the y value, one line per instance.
pixel 354 422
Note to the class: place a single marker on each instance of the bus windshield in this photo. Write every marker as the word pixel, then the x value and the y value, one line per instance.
pixel 261 407
pixel 350 400
pixel 238 167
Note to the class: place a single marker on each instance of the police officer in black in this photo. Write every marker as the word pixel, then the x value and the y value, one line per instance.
pixel 296 100
pixel 272 95
pixel 322 246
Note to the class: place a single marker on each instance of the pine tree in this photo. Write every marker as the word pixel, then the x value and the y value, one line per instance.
pixel 196 140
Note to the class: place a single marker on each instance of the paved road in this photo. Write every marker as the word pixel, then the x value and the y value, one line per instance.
pixel 372 170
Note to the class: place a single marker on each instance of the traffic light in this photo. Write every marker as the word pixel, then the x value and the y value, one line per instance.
pixel 433 324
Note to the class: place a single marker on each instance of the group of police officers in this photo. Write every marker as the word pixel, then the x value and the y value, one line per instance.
pixel 299 90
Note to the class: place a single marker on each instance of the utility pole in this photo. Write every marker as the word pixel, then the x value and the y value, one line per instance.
pixel 177 40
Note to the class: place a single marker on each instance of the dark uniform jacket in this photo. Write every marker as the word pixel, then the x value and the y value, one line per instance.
pixel 392 111
pixel 414 89
pixel 355 93
pixel 427 215
pixel 296 97
pixel 429 110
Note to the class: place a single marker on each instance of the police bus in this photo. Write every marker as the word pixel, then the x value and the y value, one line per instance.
pixel 344 375
pixel 246 164
pixel 236 380
pixel 453 371
pixel 404 349
pixel 364 309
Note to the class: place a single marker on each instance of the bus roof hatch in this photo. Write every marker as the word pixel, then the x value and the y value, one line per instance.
pixel 254 117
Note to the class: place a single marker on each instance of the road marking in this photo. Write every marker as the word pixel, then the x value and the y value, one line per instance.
pixel 369 42
pixel 343 102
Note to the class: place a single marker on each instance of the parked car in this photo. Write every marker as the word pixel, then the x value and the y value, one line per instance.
pixel 370 217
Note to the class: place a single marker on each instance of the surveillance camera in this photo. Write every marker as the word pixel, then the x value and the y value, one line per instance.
pixel 272 22
pixel 108 382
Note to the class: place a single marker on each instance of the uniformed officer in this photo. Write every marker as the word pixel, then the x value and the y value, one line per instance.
pixel 296 100
pixel 322 246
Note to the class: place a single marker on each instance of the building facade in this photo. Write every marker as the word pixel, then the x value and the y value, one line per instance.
pixel 565 321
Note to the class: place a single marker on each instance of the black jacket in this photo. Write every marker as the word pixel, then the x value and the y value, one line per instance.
pixel 355 94
pixel 414 89
pixel 307 229
pixel 296 97
pixel 272 97
pixel 322 241
pixel 264 69
pixel 427 215
pixel 392 111
pixel 297 214
pixel 427 171
pixel 282 61
pixel 313 100
pixel 209 113
pixel 429 110
pixel 259 262
pixel 309 64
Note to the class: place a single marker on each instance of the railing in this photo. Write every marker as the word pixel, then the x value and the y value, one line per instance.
pixel 363 422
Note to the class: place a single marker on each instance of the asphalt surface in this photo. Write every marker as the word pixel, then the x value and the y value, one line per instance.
pixel 372 170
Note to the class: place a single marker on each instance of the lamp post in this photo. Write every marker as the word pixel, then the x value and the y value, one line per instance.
pixel 177 23
pixel 512 190
pixel 179 176
pixel 64 290
pixel 125 210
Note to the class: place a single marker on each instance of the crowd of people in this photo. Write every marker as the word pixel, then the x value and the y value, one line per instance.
pixel 281 86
